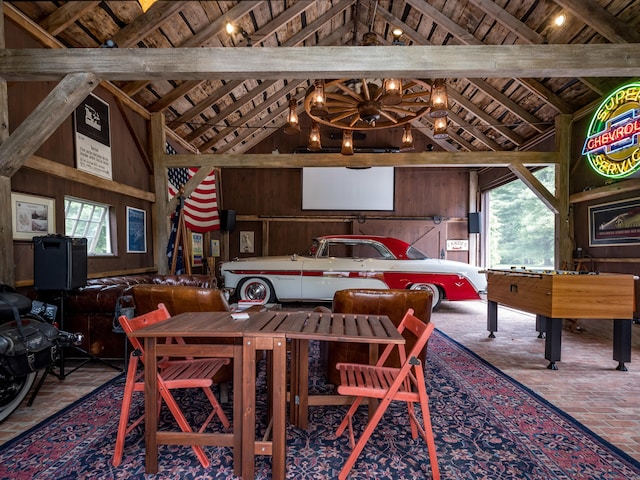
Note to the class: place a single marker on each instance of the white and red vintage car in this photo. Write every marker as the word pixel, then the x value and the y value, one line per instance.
pixel 337 262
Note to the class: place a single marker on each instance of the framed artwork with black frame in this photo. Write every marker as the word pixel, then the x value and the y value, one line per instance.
pixel 136 230
pixel 615 223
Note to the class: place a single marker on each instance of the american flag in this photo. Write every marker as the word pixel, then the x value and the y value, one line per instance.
pixel 201 207
pixel 172 244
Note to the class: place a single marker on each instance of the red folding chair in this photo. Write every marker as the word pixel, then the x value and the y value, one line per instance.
pixel 172 374
pixel 388 384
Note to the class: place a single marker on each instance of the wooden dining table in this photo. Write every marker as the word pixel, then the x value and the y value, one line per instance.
pixel 267 330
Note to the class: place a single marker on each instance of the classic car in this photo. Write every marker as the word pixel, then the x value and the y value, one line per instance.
pixel 337 262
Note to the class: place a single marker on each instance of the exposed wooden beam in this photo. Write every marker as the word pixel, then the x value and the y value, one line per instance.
pixel 65 15
pixel 630 185
pixel 505 18
pixel 180 91
pixel 458 98
pixel 159 210
pixel 276 24
pixel 289 88
pixel 143 25
pixel 7 270
pixel 413 159
pixel 535 186
pixel 230 109
pixel 229 87
pixel 59 170
pixel 218 25
pixel 44 120
pixel 601 20
pixel 481 137
pixel 206 35
pixel 468 39
pixel 564 244
pixel 487 61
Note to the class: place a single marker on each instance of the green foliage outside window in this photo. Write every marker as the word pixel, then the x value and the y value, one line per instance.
pixel 521 227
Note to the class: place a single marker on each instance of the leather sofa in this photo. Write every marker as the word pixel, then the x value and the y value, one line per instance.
pixel 393 303
pixel 91 309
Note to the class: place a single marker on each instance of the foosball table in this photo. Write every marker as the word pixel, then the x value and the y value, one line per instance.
pixel 553 295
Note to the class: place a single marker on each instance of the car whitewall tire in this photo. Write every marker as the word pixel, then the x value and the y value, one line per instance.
pixel 435 292
pixel 256 289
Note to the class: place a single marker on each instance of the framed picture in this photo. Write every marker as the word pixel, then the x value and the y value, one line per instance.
pixel 215 248
pixel 136 230
pixel 197 250
pixel 615 223
pixel 32 216
pixel 246 242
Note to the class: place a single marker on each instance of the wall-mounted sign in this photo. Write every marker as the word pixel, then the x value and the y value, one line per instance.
pixel 611 147
pixel 93 137
pixel 460 245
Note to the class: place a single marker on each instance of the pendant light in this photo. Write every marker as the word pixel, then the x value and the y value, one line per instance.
pixel 440 128
pixel 314 138
pixel 293 125
pixel 347 142
pixel 439 102
pixel 407 138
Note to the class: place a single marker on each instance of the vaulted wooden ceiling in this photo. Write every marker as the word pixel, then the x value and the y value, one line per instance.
pixel 234 115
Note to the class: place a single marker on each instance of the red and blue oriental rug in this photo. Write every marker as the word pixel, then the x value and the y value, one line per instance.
pixel 486 425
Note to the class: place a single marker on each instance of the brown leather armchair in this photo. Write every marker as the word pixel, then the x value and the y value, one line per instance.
pixel 393 303
pixel 179 299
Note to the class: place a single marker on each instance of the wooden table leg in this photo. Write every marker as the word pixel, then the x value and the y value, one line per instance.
pixel 150 405
pixel 237 409
pixel 299 402
pixel 279 443
pixel 248 385
pixel 294 385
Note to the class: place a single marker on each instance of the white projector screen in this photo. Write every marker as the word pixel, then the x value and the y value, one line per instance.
pixel 341 188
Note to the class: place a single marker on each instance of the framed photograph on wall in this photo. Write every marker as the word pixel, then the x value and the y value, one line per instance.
pixel 215 248
pixel 197 249
pixel 246 242
pixel 136 230
pixel 615 223
pixel 32 216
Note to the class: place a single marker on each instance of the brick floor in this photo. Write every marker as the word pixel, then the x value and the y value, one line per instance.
pixel 586 384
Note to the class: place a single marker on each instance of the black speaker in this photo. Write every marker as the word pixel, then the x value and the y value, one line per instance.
pixel 474 222
pixel 227 220
pixel 59 263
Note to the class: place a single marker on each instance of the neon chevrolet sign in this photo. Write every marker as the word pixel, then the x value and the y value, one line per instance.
pixel 612 147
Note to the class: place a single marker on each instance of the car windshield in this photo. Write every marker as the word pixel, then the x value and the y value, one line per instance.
pixel 313 249
pixel 415 254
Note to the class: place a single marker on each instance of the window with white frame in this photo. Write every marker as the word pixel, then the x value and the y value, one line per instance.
pixel 90 220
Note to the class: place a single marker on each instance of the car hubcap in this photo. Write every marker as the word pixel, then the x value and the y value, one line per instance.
pixel 256 291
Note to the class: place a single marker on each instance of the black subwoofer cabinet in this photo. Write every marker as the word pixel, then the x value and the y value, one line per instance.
pixel 59 263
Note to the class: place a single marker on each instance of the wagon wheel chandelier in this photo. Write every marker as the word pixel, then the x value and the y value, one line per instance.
pixel 371 104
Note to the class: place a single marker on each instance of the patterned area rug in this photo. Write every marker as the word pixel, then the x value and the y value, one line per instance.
pixel 487 426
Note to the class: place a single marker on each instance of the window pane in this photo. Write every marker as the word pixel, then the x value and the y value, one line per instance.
pixel 521 227
pixel 89 220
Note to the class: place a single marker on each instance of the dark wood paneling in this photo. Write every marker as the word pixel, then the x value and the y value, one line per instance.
pixel 128 168
pixel 434 196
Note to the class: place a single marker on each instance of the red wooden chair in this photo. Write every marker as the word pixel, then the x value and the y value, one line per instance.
pixel 172 374
pixel 388 384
